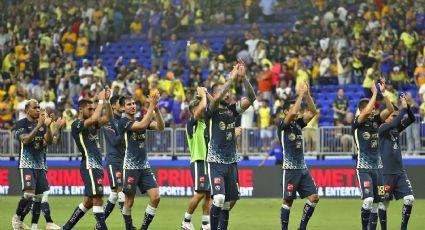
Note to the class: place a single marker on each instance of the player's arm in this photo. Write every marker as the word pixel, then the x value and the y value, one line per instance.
pixel 107 117
pixel 312 111
pixel 226 87
pixel 389 108
pixel 158 123
pixel 199 110
pixel 48 136
pixel 369 107
pixel 26 138
pixel 114 138
pixel 57 133
pixel 147 118
pixel 94 119
pixel 293 112
pixel 245 103
pixel 407 121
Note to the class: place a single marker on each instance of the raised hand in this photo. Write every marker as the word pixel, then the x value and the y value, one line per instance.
pixel 60 122
pixel 303 89
pixel 154 100
pixel 307 88
pixel 381 84
pixel 234 72
pixel 403 101
pixel 47 120
pixel 107 92
pixel 101 95
pixel 241 69
pixel 201 91
pixel 41 120
pixel 373 88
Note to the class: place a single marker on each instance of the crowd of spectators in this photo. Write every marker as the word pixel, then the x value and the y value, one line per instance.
pixel 42 46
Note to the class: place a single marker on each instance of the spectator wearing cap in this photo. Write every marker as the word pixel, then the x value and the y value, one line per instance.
pixel 157 50
pixel 398 78
pixel 69 40
pixel 82 45
pixel 85 73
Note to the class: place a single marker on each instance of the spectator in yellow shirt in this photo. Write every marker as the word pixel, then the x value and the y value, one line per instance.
pixel 398 78
pixel 264 122
pixel 193 51
pixel 409 38
pixel 68 40
pixel 97 16
pixel 136 26
pixel 6 113
pixel 371 74
pixel 82 45
pixel 23 60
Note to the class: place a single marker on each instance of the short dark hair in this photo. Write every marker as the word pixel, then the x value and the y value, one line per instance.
pixel 287 104
pixel 363 103
pixel 124 98
pixel 195 102
pixel 114 99
pixel 84 102
pixel 215 86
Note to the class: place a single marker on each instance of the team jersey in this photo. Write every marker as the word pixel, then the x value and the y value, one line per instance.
pixel 135 149
pixel 31 155
pixel 195 133
pixel 367 144
pixel 114 142
pixel 389 143
pixel 87 140
pixel 291 139
pixel 221 134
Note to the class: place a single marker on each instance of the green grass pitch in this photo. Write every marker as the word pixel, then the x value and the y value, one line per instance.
pixel 248 213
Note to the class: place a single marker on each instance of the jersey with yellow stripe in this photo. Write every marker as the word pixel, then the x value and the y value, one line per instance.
pixel 135 149
pixel 31 155
pixel 87 140
pixel 291 139
pixel 366 139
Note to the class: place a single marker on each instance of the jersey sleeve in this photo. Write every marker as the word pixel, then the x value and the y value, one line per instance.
pixel 124 125
pixel 21 128
pixel 77 126
pixel 111 135
pixel 356 123
pixel 190 127
pixel 207 112
pixel 282 124
pixel 236 109
pixel 300 122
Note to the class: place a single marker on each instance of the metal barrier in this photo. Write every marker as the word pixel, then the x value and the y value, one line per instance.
pixel 325 140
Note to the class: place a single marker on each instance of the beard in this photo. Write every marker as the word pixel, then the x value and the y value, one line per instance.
pixel 224 103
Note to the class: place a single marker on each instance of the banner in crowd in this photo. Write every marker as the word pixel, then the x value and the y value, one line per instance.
pixel 331 180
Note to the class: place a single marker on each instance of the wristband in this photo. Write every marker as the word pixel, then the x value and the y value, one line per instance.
pixel 100 102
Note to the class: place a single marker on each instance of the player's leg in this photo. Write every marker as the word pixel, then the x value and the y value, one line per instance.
pixel 215 173
pixel 382 213
pixel 149 185
pixel 307 188
pixel 96 180
pixel 206 207
pixel 45 209
pixel 28 188
pixel 383 206
pixel 193 203
pixel 115 178
pixel 290 180
pixel 129 189
pixel 79 211
pixel 24 214
pixel 231 194
pixel 403 189
pixel 378 196
pixel 365 183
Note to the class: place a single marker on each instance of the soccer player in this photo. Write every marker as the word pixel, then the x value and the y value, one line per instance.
pixel 137 171
pixel 115 156
pixel 222 157
pixel 32 132
pixel 85 133
pixel 369 165
pixel 296 176
pixel 195 132
pixel 396 183
pixel 55 128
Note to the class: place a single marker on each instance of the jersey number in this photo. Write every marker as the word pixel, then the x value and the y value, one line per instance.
pixel 381 190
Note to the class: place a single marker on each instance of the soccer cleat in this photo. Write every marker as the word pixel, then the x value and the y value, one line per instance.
pixel 16 222
pixel 24 226
pixel 187 226
pixel 34 227
pixel 206 227
pixel 52 226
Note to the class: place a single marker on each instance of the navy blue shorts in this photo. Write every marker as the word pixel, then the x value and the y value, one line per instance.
pixel 371 183
pixel 224 180
pixel 115 175
pixel 397 186
pixel 93 181
pixel 34 179
pixel 200 176
pixel 297 180
pixel 144 179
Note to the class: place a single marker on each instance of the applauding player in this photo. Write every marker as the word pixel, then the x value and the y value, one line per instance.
pixel 296 176
pixel 85 133
pixel 220 118
pixel 137 171
pixel 195 132
pixel 369 165
pixel 33 133
pixel 396 183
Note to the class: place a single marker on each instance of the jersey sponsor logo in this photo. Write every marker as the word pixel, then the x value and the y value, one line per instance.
pixel 291 187
pixel 387 188
pixel 217 180
pixel 118 174
pixel 292 137
pixel 41 129
pixel 366 184
pixel 366 135
pixel 28 177
pixel 100 181
pixel 366 190
pixel 130 180
pixel 217 187
pixel 202 179
pixel 375 125
pixel 221 125
pixel 100 188
pixel 28 184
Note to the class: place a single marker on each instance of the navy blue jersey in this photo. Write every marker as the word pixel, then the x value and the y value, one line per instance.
pixel 221 133
pixel 114 142
pixel 367 144
pixel 291 139
pixel 87 140
pixel 389 143
pixel 31 155
pixel 135 149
